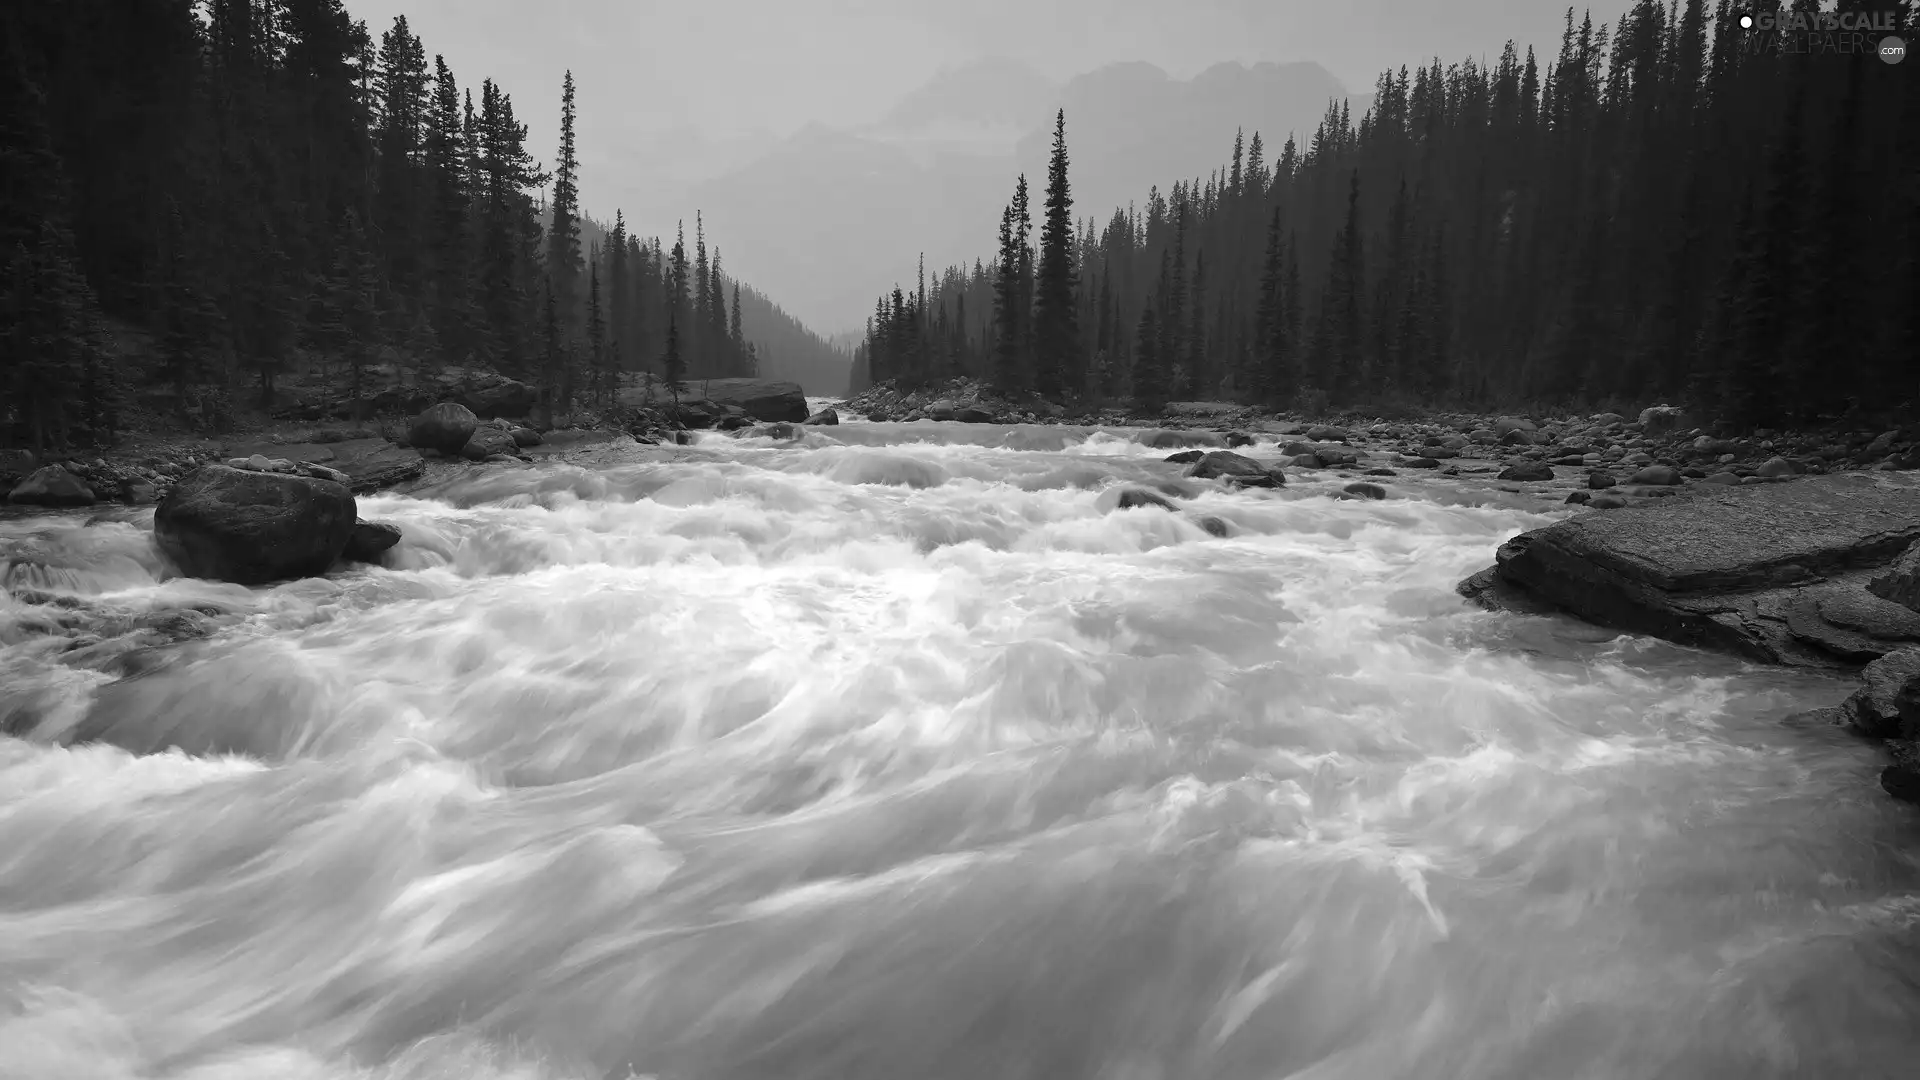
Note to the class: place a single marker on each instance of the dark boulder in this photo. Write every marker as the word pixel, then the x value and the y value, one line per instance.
pixel 694 413
pixel 1236 469
pixel 1238 438
pixel 1774 572
pixel 763 399
pixel 252 528
pixel 51 485
pixel 1363 490
pixel 1887 705
pixel 824 418
pixel 1600 480
pixel 1900 583
pixel 524 436
pixel 487 441
pixel 1527 472
pixel 1184 457
pixel 445 428
pixel 368 540
pixel 974 414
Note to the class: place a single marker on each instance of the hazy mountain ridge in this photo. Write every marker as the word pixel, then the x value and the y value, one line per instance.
pixel 829 212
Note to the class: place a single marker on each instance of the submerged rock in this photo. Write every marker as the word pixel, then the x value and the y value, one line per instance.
pixel 252 528
pixel 826 417
pixel 1731 568
pixel 1132 497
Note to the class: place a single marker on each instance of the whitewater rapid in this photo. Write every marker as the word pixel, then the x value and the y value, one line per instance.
pixel 901 752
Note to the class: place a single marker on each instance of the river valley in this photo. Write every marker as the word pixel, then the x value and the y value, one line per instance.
pixel 904 752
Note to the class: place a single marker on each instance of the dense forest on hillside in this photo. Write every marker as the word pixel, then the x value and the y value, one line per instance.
pixel 254 184
pixel 1671 208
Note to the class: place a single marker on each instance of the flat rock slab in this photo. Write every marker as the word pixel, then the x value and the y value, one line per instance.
pixel 1774 572
pixel 372 464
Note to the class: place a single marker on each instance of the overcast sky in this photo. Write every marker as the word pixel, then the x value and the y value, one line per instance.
pixel 661 82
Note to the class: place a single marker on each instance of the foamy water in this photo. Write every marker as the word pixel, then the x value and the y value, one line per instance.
pixel 901 753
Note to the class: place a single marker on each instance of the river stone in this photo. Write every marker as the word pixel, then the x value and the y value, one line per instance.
pixel 368 540
pixel 524 436
pixel 1657 475
pixel 1237 439
pixel 1600 480
pixel 1887 705
pixel 762 399
pixel 1420 462
pixel 940 410
pixel 487 441
pixel 1132 497
pixel 1900 583
pixel 252 528
pixel 1327 433
pixel 974 414
pixel 1232 468
pixel 1185 457
pixel 51 485
pixel 826 417
pixel 445 427
pixel 1775 467
pixel 1527 471
pixel 1726 568
pixel 1363 490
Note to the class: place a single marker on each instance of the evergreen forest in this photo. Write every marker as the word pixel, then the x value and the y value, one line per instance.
pixel 1670 208
pixel 244 186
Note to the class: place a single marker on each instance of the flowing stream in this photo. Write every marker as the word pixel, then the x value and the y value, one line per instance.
pixel 902 753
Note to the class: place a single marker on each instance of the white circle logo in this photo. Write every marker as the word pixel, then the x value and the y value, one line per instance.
pixel 1746 22
pixel 1893 50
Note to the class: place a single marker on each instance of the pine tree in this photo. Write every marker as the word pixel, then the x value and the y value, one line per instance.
pixel 1058 366
pixel 563 238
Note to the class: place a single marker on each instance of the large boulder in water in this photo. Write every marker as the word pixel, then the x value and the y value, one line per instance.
pixel 51 485
pixel 1774 572
pixel 369 540
pixel 763 399
pixel 252 528
pixel 1232 468
pixel 445 427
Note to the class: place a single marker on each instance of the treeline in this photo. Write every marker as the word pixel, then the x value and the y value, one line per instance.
pixel 254 181
pixel 1671 208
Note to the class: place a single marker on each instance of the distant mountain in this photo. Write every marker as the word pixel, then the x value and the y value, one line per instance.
pixel 829 219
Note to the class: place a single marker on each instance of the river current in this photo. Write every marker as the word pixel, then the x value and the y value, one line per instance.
pixel 903 753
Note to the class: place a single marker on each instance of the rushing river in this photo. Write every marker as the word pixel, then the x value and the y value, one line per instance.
pixel 902 753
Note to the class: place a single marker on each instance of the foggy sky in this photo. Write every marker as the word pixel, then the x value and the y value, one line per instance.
pixel 670 93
